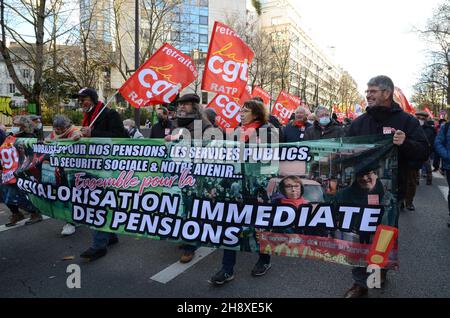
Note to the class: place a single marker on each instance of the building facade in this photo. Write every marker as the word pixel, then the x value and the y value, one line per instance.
pixel 313 75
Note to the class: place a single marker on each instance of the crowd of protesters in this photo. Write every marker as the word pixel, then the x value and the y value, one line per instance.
pixel 416 138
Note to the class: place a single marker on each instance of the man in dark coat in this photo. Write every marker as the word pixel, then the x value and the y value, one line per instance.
pixel 189 118
pixel 295 129
pixel 324 127
pixel 99 121
pixel 430 132
pixel 385 117
pixel 164 126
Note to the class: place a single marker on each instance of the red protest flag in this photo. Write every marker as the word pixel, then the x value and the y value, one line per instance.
pixel 227 110
pixel 429 112
pixel 400 98
pixel 160 78
pixel 258 91
pixel 226 67
pixel 285 105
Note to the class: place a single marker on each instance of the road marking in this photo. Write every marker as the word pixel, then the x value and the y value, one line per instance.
pixel 169 273
pixel 19 224
pixel 444 191
pixel 438 175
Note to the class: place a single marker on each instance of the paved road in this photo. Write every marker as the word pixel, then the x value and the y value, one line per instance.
pixel 32 265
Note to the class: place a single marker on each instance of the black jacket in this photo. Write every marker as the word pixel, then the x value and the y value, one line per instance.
pixel 414 150
pixel 292 133
pixel 430 133
pixel 158 130
pixel 109 124
pixel 332 130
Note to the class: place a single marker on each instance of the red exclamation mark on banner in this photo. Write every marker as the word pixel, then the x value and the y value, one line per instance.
pixel 382 244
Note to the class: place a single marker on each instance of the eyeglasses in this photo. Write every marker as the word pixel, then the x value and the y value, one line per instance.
pixel 292 186
pixel 244 110
pixel 373 91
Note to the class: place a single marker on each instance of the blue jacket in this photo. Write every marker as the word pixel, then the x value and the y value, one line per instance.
pixel 442 147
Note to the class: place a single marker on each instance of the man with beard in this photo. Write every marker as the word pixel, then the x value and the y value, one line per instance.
pixel 189 113
pixel 385 117
pixel 164 126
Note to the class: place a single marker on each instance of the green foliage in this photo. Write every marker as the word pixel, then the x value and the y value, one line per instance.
pixel 257 5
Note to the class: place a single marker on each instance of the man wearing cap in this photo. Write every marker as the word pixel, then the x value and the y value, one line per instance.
pixel 384 116
pixel 367 189
pixel 99 121
pixel 430 132
pixel 188 113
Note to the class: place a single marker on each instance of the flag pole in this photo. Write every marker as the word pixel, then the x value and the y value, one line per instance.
pixel 106 105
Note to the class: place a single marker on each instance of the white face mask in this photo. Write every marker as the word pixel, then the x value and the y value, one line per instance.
pixel 39 126
pixel 421 122
pixel 15 130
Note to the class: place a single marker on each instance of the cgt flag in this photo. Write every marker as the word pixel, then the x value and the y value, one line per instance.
pixel 258 91
pixel 285 106
pixel 226 70
pixel 227 109
pixel 160 78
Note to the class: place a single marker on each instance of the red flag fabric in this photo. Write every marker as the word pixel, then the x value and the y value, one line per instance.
pixel 430 113
pixel 227 110
pixel 284 106
pixel 160 78
pixel 226 68
pixel 258 91
pixel 400 98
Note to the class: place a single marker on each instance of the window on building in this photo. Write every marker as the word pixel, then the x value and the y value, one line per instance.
pixel 203 38
pixel 175 35
pixel 203 20
pixel 12 88
pixel 203 3
pixel 26 73
pixel 276 20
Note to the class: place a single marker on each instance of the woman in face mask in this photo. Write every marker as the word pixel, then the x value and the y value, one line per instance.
pixel 323 127
pixel 62 129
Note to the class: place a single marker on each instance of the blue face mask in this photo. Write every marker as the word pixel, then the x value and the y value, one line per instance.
pixel 323 121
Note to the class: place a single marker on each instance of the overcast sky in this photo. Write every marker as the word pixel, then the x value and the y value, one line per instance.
pixel 372 37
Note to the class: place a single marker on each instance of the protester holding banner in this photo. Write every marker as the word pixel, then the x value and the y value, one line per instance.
pixel 164 126
pixel 324 127
pixel 99 121
pixel 430 132
pixel 64 129
pixel 295 130
pixel 23 127
pixel 385 117
pixel 254 125
pixel 189 114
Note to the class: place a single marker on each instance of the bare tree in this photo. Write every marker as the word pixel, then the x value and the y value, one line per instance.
pixel 45 23
pixel 89 55
pixel 436 76
pixel 347 93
